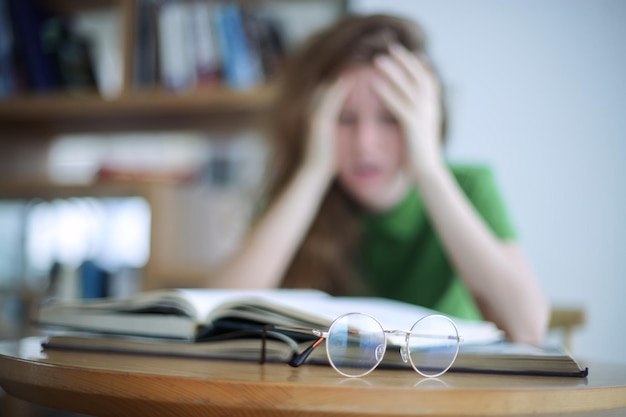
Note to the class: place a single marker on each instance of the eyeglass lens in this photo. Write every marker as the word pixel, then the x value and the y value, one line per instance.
pixel 433 345
pixel 355 344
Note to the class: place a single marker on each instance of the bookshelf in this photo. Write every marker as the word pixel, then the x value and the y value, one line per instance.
pixel 31 120
pixel 42 114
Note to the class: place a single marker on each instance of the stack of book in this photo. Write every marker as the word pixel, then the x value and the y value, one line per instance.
pixel 226 324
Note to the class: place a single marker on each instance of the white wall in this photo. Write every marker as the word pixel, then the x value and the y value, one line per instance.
pixel 538 89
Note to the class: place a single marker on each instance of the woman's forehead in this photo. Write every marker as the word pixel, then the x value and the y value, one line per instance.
pixel 362 93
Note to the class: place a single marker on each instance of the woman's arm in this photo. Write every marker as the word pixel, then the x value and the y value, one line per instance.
pixel 269 247
pixel 496 272
pixel 266 252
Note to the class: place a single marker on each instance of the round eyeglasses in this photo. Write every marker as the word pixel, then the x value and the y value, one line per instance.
pixel 356 344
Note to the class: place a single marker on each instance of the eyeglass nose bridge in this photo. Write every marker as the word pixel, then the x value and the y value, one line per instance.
pixel 404 348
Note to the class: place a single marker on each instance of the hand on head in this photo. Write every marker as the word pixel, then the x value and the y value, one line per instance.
pixel 321 144
pixel 375 124
pixel 412 93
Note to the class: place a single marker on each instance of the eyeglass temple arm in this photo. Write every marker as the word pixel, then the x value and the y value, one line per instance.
pixel 433 336
pixel 426 336
pixel 298 358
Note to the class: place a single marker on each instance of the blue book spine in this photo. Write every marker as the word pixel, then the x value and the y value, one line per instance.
pixel 94 280
pixel 241 70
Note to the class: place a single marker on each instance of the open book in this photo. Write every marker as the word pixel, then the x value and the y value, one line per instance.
pixel 197 314
pixel 225 324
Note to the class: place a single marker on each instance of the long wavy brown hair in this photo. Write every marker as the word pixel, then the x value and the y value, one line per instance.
pixel 327 258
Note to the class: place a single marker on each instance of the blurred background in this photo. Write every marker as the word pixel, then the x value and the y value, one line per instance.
pixel 132 150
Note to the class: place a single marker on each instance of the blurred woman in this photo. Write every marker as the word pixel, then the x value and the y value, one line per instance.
pixel 361 198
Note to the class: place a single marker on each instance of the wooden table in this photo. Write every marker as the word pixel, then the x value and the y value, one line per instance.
pixel 119 385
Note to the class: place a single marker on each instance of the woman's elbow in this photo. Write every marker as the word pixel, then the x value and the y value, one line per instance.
pixel 532 327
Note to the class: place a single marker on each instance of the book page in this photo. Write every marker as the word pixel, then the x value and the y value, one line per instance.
pixel 312 307
pixel 208 302
pixel 395 315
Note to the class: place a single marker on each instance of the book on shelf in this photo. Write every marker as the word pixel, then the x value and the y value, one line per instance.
pixel 176 55
pixel 29 21
pixel 101 30
pixel 266 40
pixel 8 78
pixel 242 66
pixel 226 324
pixel 145 59
pixel 207 57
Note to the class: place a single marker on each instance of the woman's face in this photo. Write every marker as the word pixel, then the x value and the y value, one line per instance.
pixel 370 145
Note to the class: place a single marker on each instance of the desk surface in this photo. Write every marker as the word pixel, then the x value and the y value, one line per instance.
pixel 131 385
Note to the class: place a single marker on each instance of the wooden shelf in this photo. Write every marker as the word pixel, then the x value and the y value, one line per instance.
pixel 27 190
pixel 209 100
pixel 140 110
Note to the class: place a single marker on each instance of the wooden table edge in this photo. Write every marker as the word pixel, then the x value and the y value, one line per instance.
pixel 46 384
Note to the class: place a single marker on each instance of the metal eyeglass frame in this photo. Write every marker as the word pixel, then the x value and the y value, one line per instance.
pixel 298 359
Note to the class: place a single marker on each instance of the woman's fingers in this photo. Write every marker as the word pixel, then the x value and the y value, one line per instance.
pixel 389 94
pixel 335 97
pixel 410 91
pixel 326 105
pixel 410 62
pixel 409 73
pixel 397 76
pixel 328 99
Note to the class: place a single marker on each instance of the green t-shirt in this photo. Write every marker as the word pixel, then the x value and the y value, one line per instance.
pixel 403 259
